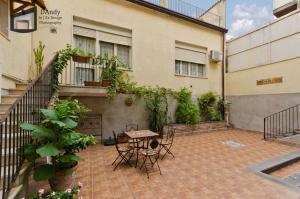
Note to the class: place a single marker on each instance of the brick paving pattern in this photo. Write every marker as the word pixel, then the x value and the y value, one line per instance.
pixel 204 168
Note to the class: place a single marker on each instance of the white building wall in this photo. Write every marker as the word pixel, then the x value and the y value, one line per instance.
pixel 272 43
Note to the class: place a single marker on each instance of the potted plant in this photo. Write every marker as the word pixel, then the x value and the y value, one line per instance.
pixel 110 73
pixel 80 56
pixel 57 140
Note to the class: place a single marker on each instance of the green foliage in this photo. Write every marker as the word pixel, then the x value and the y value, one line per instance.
pixel 79 52
pixel 61 60
pixel 157 105
pixel 112 71
pixel 156 99
pixel 186 112
pixel 39 57
pixel 57 138
pixel 211 108
pixel 68 194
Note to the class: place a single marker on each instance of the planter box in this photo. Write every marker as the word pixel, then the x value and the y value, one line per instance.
pixel 89 83
pixel 202 127
pixel 106 83
pixel 81 59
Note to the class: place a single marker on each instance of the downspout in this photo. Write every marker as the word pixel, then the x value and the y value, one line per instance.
pixel 223 67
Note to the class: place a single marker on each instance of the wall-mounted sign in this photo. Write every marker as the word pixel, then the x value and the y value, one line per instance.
pixel 274 80
pixel 24 21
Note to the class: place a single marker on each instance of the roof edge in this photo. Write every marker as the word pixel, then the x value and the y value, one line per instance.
pixel 178 15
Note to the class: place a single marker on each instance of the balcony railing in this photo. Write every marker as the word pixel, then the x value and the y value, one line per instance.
pixel 75 73
pixel 188 9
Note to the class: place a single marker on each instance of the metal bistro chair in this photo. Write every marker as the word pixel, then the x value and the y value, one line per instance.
pixel 167 142
pixel 152 154
pixel 132 127
pixel 123 150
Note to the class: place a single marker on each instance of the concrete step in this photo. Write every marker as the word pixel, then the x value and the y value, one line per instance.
pixel 22 86
pixel 5 106
pixel 9 99
pixel 16 91
pixel 14 192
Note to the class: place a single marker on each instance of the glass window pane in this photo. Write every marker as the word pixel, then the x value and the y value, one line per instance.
pixel 202 70
pixel 106 47
pixel 185 68
pixel 86 44
pixel 84 74
pixel 195 69
pixel 123 54
pixel 177 67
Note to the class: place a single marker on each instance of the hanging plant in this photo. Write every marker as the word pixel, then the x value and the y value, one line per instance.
pixel 129 100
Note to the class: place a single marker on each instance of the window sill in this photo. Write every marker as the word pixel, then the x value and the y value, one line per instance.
pixel 4 36
pixel 191 76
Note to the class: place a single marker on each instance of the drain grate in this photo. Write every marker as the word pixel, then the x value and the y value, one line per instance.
pixel 293 179
pixel 233 144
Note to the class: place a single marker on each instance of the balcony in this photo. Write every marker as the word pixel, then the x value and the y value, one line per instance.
pixel 81 80
pixel 187 9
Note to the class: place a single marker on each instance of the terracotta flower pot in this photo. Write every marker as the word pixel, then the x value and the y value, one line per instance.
pixel 106 83
pixel 62 180
pixel 81 59
pixel 89 83
pixel 128 101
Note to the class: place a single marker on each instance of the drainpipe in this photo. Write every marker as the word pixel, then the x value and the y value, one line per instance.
pixel 223 67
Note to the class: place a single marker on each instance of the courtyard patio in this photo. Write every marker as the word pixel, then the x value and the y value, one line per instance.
pixel 204 167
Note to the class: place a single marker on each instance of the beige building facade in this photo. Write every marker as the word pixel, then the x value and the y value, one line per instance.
pixel 262 72
pixel 160 49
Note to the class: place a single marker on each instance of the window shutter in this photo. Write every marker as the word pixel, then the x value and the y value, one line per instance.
pixel 114 38
pixel 190 56
pixel 84 32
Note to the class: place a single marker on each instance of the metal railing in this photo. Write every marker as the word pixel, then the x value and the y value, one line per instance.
pixel 13 138
pixel 75 73
pixel 282 124
pixel 188 9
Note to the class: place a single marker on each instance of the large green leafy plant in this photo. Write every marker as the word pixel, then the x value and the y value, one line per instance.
pixel 57 139
pixel 211 108
pixel 186 112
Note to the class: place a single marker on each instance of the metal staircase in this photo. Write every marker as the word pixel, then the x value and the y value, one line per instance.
pixel 21 105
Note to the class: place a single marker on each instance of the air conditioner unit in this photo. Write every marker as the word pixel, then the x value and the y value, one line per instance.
pixel 216 56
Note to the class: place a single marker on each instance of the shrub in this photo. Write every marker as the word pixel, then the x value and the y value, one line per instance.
pixel 210 107
pixel 186 112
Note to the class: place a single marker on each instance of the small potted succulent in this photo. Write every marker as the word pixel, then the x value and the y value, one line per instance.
pixel 57 141
pixel 80 56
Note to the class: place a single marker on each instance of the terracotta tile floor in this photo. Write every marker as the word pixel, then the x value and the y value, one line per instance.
pixel 204 168
pixel 286 171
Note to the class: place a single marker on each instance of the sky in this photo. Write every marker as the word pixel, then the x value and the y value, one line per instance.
pixel 242 15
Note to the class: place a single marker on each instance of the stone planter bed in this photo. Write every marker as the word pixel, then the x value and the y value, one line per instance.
pixel 203 127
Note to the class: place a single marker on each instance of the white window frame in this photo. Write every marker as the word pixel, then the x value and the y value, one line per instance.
pixel 204 75
pixel 116 53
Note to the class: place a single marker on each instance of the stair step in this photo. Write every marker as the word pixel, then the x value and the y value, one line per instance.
pixel 16 91
pixel 13 193
pixel 7 99
pixel 21 86
pixel 5 106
